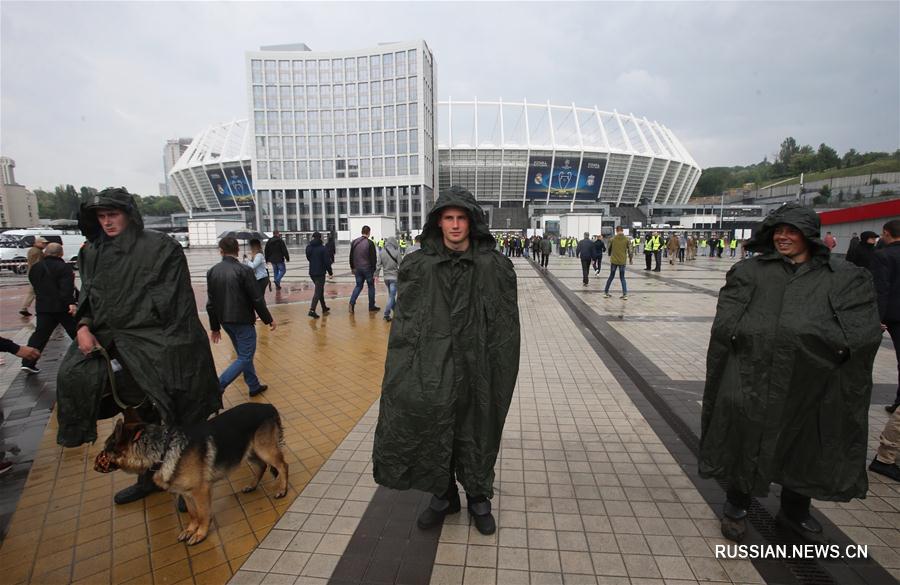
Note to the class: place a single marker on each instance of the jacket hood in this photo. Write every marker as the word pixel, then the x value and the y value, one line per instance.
pixel 115 198
pixel 392 246
pixel 314 242
pixel 456 196
pixel 803 218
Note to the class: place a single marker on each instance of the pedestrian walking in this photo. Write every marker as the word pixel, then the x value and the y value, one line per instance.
pixel 618 252
pixel 585 252
pixel 546 251
pixel 277 255
pixel 363 259
pixel 319 265
pixel 257 263
pixel 35 254
pixel 389 259
pixel 886 272
pixel 599 249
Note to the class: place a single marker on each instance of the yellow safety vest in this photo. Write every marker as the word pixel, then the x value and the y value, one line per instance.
pixel 733 244
pixel 655 243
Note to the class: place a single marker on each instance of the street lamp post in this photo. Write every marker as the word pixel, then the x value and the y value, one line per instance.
pixel 721 210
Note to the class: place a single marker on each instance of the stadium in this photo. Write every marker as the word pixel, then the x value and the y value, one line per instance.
pixel 339 134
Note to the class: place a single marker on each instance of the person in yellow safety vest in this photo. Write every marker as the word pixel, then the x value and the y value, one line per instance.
pixel 633 244
pixel 563 243
pixel 733 246
pixel 381 242
pixel 720 247
pixel 402 244
pixel 703 246
pixel 653 250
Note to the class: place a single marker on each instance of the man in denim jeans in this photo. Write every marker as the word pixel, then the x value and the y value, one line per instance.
pixel 276 254
pixel 389 263
pixel 233 298
pixel 363 260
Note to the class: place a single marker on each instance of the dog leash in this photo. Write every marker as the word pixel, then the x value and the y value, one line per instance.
pixel 112 379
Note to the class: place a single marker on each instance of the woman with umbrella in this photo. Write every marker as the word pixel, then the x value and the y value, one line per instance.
pixel 258 263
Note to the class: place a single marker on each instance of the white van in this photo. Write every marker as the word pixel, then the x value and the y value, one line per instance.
pixel 14 246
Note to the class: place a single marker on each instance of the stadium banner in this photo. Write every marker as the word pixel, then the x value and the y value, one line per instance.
pixel 220 187
pixel 590 178
pixel 241 187
pixel 564 177
pixel 538 181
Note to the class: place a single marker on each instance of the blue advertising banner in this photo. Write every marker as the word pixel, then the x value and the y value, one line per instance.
pixel 538 181
pixel 231 189
pixel 590 178
pixel 564 177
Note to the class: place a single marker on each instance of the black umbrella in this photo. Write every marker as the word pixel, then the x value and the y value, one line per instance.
pixel 243 235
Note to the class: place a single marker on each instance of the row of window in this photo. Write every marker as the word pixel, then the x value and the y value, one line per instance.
pixel 375 144
pixel 375 67
pixel 389 166
pixel 337 121
pixel 298 97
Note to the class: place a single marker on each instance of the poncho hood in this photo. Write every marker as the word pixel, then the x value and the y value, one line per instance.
pixel 479 232
pixel 803 218
pixel 114 198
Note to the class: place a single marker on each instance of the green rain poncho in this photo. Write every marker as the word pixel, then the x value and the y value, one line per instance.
pixel 136 295
pixel 789 370
pixel 452 361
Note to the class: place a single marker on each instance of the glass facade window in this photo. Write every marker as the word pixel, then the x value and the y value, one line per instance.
pixel 390 166
pixel 363 119
pixel 377 167
pixel 411 61
pixel 413 115
pixel 413 142
pixel 401 90
pixel 402 165
pixel 262 169
pixel 392 205
pixel 388 117
pixel 400 62
pixel 362 68
pixel 365 167
pixel 367 207
pixel 388 88
pixel 300 122
pixel 338 93
pixel 327 145
pixel 337 70
pixel 351 94
pixel 287 122
pixel 297 66
pixel 339 121
pixel 413 87
pixel 389 143
pixel 325 96
pixel 375 68
pixel 314 151
pixel 299 97
pixel 256 73
pixel 259 120
pixel 261 150
pixel 376 118
pixel 327 169
pixel 302 152
pixel 312 118
pixel 284 72
pixel 401 142
pixel 363 94
pixel 324 71
pixel 352 146
pixel 376 93
pixel 302 169
pixel 271 74
pixel 325 115
pixel 258 97
pixel 272 122
pixel 353 168
pixel 287 146
pixel 274 147
pixel 272 97
pixel 312 75
pixel 414 165
pixel 340 145
pixel 285 96
pixel 351 121
pixel 290 170
pixel 315 169
pixel 387 65
pixel 402 116
pixel 312 96
pixel 350 69
pixel 364 145
pixel 376 144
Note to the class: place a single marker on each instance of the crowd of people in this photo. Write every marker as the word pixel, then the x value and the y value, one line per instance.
pixel 794 325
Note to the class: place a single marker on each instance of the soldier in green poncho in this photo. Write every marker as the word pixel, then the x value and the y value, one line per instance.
pixel 452 363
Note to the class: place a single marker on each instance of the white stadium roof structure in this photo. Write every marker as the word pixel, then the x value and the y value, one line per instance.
pixel 645 160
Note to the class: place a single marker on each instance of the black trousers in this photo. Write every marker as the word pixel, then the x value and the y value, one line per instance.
pixel 545 258
pixel 894 332
pixel 319 293
pixel 794 505
pixel 46 324
pixel 657 256
pixel 585 267
pixel 648 257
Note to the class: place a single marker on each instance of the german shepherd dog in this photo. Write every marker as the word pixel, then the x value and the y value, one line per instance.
pixel 188 460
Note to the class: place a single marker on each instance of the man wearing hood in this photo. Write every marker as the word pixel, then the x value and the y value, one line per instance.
pixel 789 375
pixel 320 260
pixel 389 263
pixel 138 329
pixel 452 363
pixel 863 252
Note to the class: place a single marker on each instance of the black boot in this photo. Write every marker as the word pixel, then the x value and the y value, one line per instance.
pixel 439 508
pixel 480 510
pixel 734 522
pixel 139 490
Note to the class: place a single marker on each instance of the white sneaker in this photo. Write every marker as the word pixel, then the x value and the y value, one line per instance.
pixel 607 296
pixel 624 297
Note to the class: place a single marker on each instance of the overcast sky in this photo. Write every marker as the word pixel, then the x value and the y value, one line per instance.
pixel 91 91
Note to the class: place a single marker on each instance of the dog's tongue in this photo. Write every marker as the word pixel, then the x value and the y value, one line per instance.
pixel 101 462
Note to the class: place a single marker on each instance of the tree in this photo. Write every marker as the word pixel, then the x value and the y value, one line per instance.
pixel 788 150
pixel 827 158
pixel 851 158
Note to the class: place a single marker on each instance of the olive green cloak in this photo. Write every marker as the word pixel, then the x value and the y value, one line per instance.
pixel 789 370
pixel 136 295
pixel 452 361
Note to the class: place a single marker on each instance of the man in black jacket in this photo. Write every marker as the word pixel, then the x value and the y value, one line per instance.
pixel 363 259
pixel 276 253
pixel 886 270
pixel 54 289
pixel 585 252
pixel 233 297
pixel 319 266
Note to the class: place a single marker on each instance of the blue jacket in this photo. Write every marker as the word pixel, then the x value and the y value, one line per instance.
pixel 319 260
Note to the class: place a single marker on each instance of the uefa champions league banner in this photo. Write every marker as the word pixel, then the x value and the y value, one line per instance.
pixel 538 181
pixel 564 177
pixel 590 178
pixel 231 188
